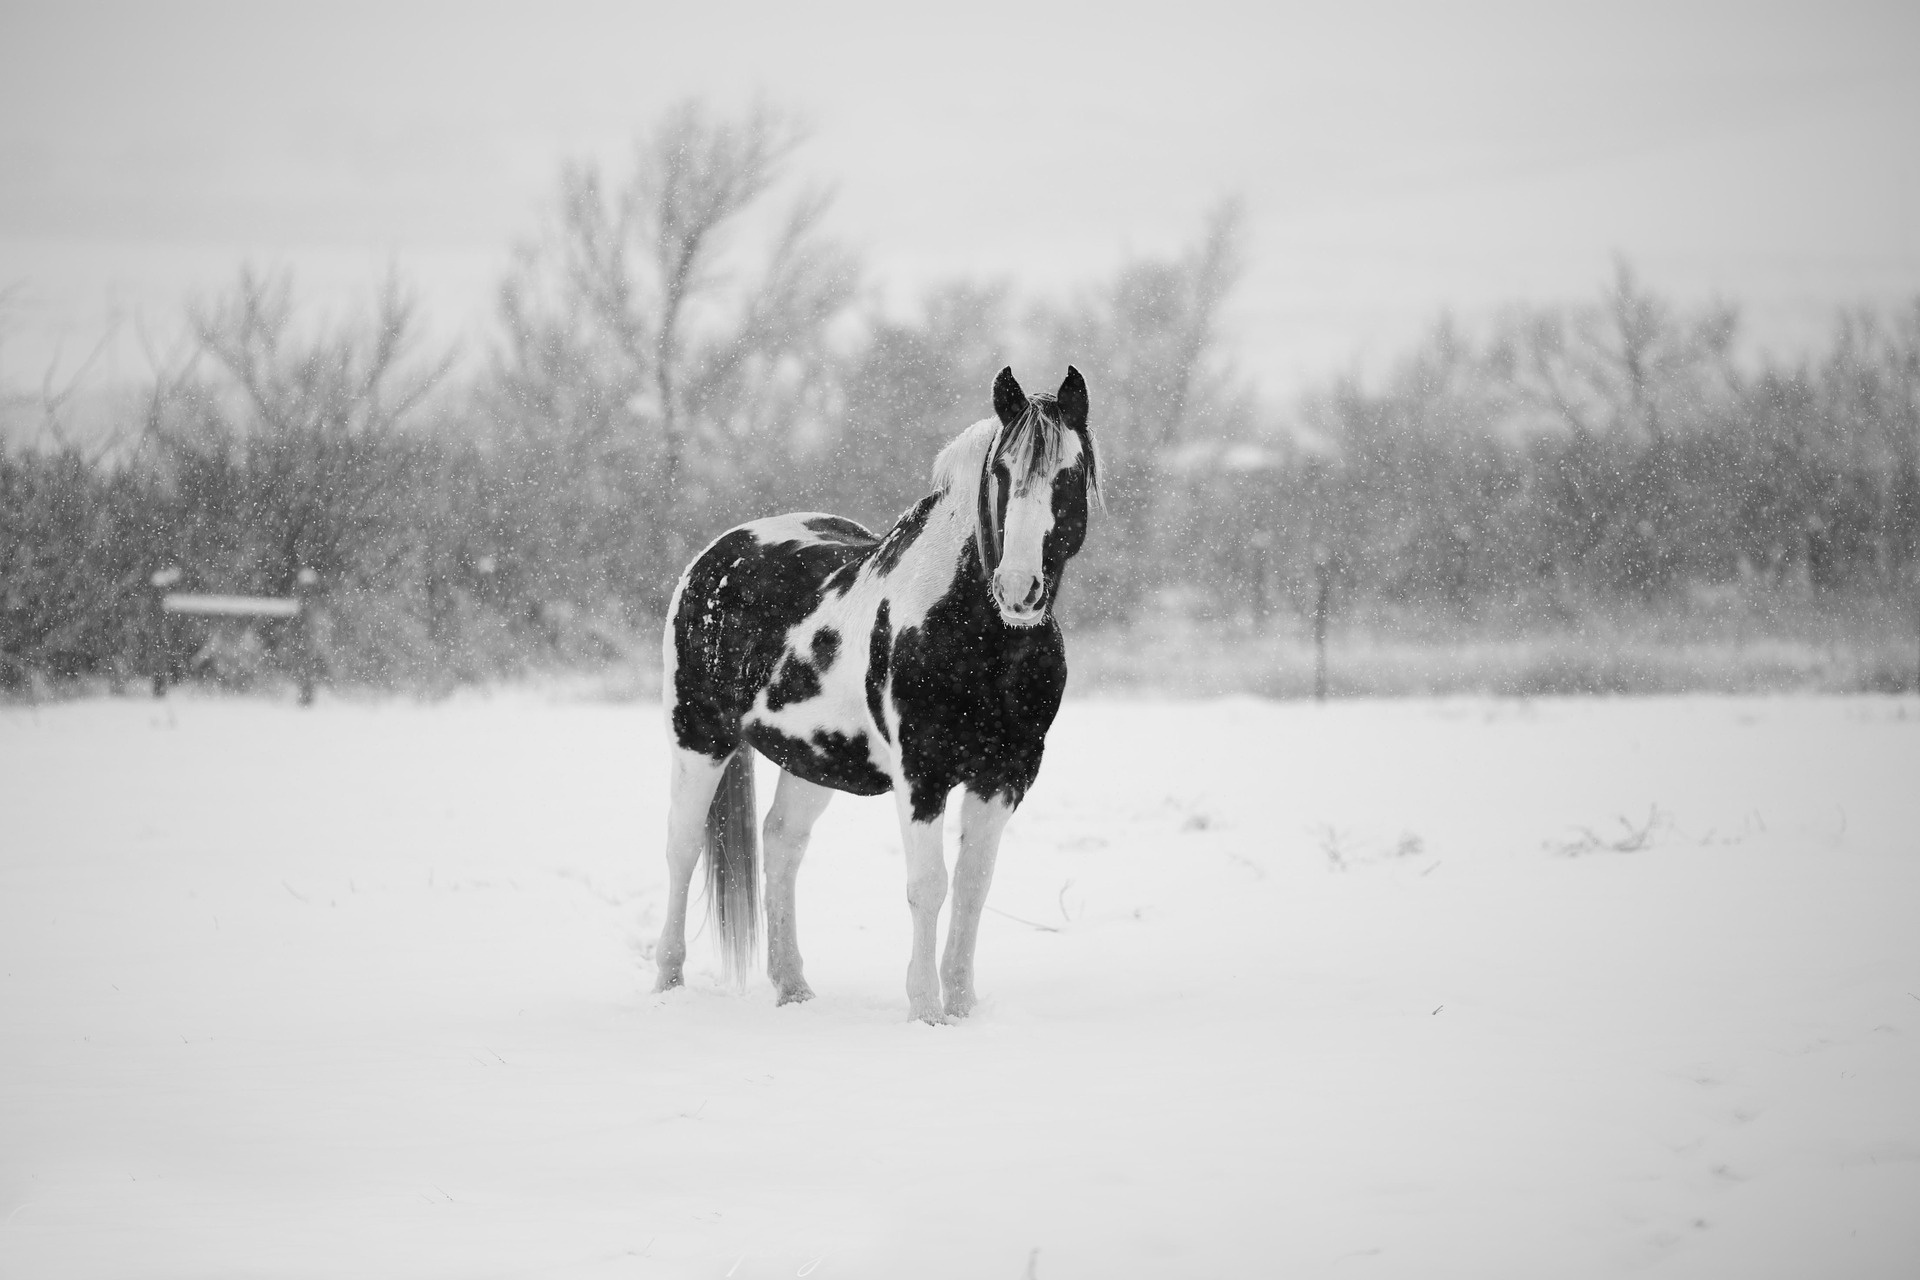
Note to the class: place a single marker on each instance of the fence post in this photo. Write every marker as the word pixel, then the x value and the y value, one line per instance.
pixel 304 585
pixel 159 652
pixel 1322 584
pixel 1914 569
pixel 1262 548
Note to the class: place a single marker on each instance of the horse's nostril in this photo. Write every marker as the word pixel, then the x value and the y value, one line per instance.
pixel 1019 596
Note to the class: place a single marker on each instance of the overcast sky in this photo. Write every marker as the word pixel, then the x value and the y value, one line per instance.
pixel 1395 159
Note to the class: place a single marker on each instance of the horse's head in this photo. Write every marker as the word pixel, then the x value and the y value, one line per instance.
pixel 1037 479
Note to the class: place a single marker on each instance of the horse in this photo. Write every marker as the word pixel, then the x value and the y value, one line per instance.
pixel 914 663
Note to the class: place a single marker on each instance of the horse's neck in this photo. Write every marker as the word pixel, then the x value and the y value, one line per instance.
pixel 942 562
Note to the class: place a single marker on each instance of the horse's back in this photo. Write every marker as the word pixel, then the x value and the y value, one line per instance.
pixel 734 607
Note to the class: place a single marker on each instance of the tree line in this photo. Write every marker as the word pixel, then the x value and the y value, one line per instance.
pixel 684 343
pixel 1569 461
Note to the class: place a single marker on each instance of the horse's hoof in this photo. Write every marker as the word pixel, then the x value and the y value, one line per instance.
pixel 794 995
pixel 960 1008
pixel 667 981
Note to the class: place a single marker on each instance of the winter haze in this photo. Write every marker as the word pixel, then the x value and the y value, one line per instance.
pixel 1351 575
pixel 1395 159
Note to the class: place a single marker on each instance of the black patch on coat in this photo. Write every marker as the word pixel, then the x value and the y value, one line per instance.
pixel 830 760
pixel 976 697
pixel 1069 530
pixel 796 682
pixel 879 648
pixel 840 529
pixel 826 647
pixel 904 534
pixel 741 599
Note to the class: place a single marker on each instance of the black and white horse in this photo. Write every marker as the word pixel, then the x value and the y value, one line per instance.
pixel 913 663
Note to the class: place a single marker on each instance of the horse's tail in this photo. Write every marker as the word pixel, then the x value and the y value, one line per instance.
pixel 733 867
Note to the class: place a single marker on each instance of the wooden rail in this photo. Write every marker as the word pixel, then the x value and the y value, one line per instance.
pixel 298 610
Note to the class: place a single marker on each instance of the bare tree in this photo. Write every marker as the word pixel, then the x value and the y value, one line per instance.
pixel 353 380
pixel 291 432
pixel 644 331
pixel 45 416
pixel 1149 342
pixel 16 406
pixel 1625 364
pixel 1153 334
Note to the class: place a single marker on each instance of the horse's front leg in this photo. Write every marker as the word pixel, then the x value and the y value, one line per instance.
pixel 926 890
pixel 982 819
pixel 695 779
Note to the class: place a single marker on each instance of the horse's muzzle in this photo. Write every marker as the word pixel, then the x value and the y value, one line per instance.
pixel 1032 604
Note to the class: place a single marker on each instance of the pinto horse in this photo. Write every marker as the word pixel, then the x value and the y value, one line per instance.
pixel 913 663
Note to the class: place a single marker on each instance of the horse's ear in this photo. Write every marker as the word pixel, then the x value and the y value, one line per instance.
pixel 1009 401
pixel 1071 402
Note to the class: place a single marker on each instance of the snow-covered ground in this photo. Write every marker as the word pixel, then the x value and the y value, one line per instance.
pixel 1411 989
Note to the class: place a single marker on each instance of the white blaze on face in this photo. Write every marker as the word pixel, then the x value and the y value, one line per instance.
pixel 1019 584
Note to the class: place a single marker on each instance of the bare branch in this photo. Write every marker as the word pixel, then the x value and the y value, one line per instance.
pixel 350 381
pixel 54 401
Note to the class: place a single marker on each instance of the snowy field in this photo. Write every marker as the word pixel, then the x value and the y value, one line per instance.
pixel 1375 989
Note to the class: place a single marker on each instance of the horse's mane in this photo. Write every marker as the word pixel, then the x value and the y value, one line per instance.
pixel 956 471
pixel 1033 446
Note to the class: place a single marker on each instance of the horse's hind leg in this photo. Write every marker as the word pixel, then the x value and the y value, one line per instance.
pixel 797 805
pixel 694 780
pixel 981 822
